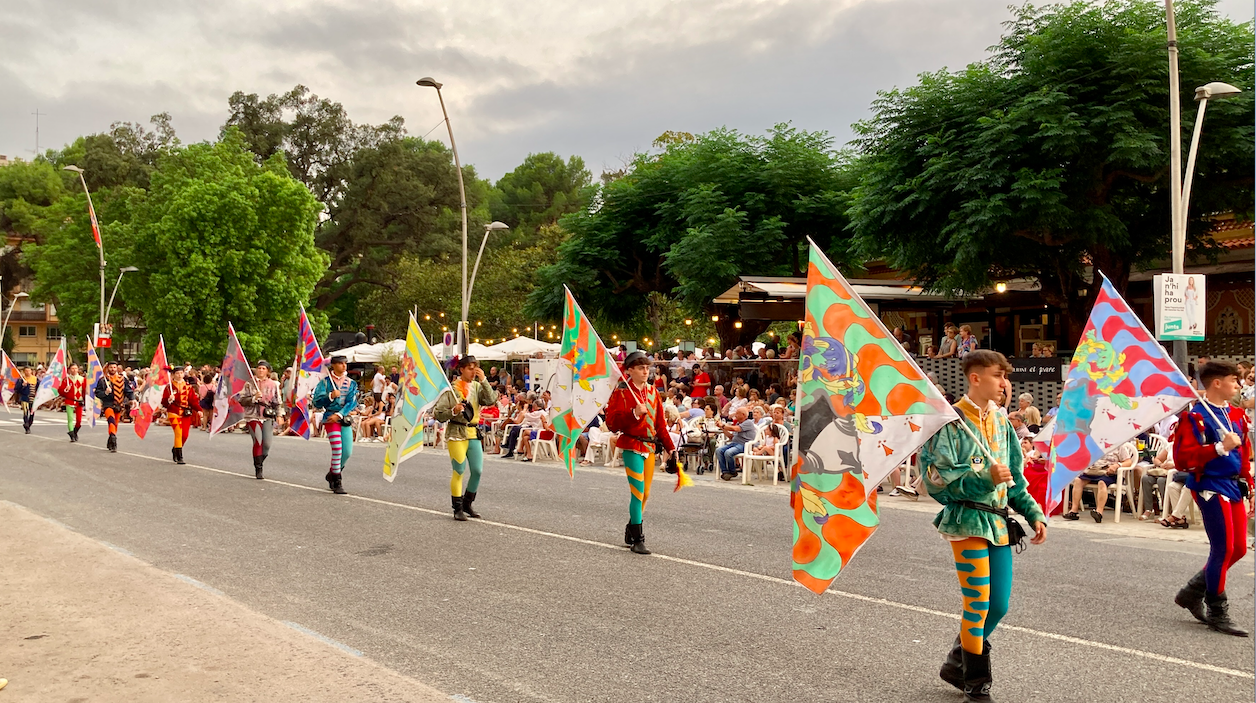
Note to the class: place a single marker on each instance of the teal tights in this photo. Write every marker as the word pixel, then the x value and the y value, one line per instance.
pixel 985 580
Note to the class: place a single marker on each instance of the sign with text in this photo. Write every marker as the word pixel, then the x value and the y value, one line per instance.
pixel 1037 369
pixel 1180 307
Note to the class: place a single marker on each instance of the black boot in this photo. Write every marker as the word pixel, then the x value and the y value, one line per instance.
pixel 467 499
pixel 338 486
pixel 331 480
pixel 628 534
pixel 953 668
pixel 977 677
pixel 178 456
pixel 1191 597
pixel 456 501
pixel 1219 616
pixel 257 466
pixel 112 444
pixel 74 435
pixel 638 539
pixel 71 434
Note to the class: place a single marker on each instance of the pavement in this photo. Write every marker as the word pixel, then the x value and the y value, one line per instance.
pixel 540 601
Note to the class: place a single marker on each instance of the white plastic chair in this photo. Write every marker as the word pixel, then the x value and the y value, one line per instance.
pixel 740 459
pixel 544 448
pixel 774 462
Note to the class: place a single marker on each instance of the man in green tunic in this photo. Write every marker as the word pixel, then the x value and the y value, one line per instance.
pixel 975 493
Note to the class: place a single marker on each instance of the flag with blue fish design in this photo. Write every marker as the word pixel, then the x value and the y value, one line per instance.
pixel 308 369
pixel 422 382
pixel 586 375
pixel 95 372
pixel 49 386
pixel 1119 384
pixel 864 407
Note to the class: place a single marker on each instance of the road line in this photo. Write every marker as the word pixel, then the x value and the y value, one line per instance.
pixel 201 585
pixel 726 570
pixel 324 638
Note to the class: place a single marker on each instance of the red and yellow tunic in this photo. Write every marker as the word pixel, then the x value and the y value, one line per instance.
pixel 73 390
pixel 179 399
pixel 620 418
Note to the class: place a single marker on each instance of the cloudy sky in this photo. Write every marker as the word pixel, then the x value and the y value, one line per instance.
pixel 596 78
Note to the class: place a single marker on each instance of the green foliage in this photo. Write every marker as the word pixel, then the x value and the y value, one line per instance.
pixel 222 239
pixel 539 191
pixel 1053 153
pixel 688 221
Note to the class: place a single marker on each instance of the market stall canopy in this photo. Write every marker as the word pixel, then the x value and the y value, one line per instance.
pixel 374 353
pixel 780 298
pixel 483 353
pixel 523 347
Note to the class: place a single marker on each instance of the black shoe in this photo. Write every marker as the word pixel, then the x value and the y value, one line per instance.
pixel 112 444
pixel 178 456
pixel 71 434
pixel 467 499
pixel 1098 516
pixel 628 534
pixel 727 477
pixel 637 532
pixel 331 480
pixel 977 678
pixel 953 668
pixel 1219 616
pixel 338 486
pixel 1071 516
pixel 1191 597
pixel 257 467
pixel 76 431
pixel 508 455
pixel 28 430
pixel 456 501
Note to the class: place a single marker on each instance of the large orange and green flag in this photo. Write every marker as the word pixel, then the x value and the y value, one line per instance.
pixel 586 375
pixel 864 407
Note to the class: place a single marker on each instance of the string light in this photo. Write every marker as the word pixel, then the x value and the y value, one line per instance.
pixel 715 318
pixel 737 324
pixel 688 321
pixel 477 323
pixel 427 317
pixel 444 328
pixel 442 314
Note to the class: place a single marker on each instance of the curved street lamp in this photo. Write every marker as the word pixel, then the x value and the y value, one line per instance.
pixel 12 304
pixel 100 246
pixel 429 82
pixel 494 226
pixel 1213 91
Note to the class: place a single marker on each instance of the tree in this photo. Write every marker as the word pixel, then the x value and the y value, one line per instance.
pixel 401 199
pixel 687 221
pixel 125 156
pixel 222 239
pixel 539 191
pixel 1053 154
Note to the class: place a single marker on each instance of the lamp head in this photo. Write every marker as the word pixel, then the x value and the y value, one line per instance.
pixel 79 171
pixel 128 269
pixel 428 82
pixel 495 226
pixel 20 295
pixel 1216 89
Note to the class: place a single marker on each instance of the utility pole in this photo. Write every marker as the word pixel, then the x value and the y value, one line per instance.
pixel 1175 167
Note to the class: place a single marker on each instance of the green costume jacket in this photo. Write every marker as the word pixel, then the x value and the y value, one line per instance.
pixel 956 469
pixel 480 396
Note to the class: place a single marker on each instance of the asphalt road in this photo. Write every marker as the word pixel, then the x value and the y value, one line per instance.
pixel 540 602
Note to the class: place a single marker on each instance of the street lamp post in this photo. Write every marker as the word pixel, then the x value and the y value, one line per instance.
pixel 12 304
pixel 488 229
pixel 100 247
pixel 121 272
pixel 1204 93
pixel 428 82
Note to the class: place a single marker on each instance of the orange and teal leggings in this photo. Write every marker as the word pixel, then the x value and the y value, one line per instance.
pixel 985 580
pixel 640 470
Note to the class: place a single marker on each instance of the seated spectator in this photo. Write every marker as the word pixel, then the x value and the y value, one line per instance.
pixel 738 401
pixel 740 432
pixel 535 421
pixel 720 399
pixel 1101 474
pixel 1025 406
pixel 759 414
pixel 522 407
pixel 1154 483
pixel 1177 501
pixel 1018 424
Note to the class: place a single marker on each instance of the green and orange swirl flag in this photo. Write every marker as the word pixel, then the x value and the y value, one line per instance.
pixel 586 375
pixel 864 407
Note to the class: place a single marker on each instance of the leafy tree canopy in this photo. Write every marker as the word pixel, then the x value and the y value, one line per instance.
pixel 687 221
pixel 1053 153
pixel 539 191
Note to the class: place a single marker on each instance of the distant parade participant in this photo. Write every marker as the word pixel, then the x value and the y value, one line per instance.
pixel 337 395
pixel 635 411
pixel 460 407
pixel 975 493
pixel 183 410
pixel 73 392
pixel 115 392
pixel 25 391
pixel 1216 451
pixel 260 399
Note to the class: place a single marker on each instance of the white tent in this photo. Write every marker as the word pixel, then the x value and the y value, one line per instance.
pixel 483 353
pixel 523 347
pixel 374 353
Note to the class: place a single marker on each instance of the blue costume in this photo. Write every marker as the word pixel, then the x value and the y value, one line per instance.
pixel 335 421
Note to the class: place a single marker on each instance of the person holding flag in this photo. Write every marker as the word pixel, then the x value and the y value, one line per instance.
pixel 73 392
pixel 26 388
pixel 337 395
pixel 308 369
pixel 261 400
pixel 976 470
pixel 115 392
pixel 183 409
pixel 9 378
pixel 1213 445
pixel 460 406
pixel 635 411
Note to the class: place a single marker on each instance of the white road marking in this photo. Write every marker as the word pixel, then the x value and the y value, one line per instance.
pixel 324 638
pixel 200 585
pixel 725 570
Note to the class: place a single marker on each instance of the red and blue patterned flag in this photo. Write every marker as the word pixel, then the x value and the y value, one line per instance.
pixel 236 372
pixel 9 376
pixel 48 385
pixel 151 392
pixel 95 371
pixel 1119 384
pixel 310 368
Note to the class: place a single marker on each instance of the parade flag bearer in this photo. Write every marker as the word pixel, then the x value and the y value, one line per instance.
pixel 337 396
pixel 25 390
pixel 261 400
pixel 183 409
pixel 460 407
pixel 635 411
pixel 73 392
pixel 115 392
pixel 1212 444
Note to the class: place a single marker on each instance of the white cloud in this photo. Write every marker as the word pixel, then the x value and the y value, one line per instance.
pixel 598 79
